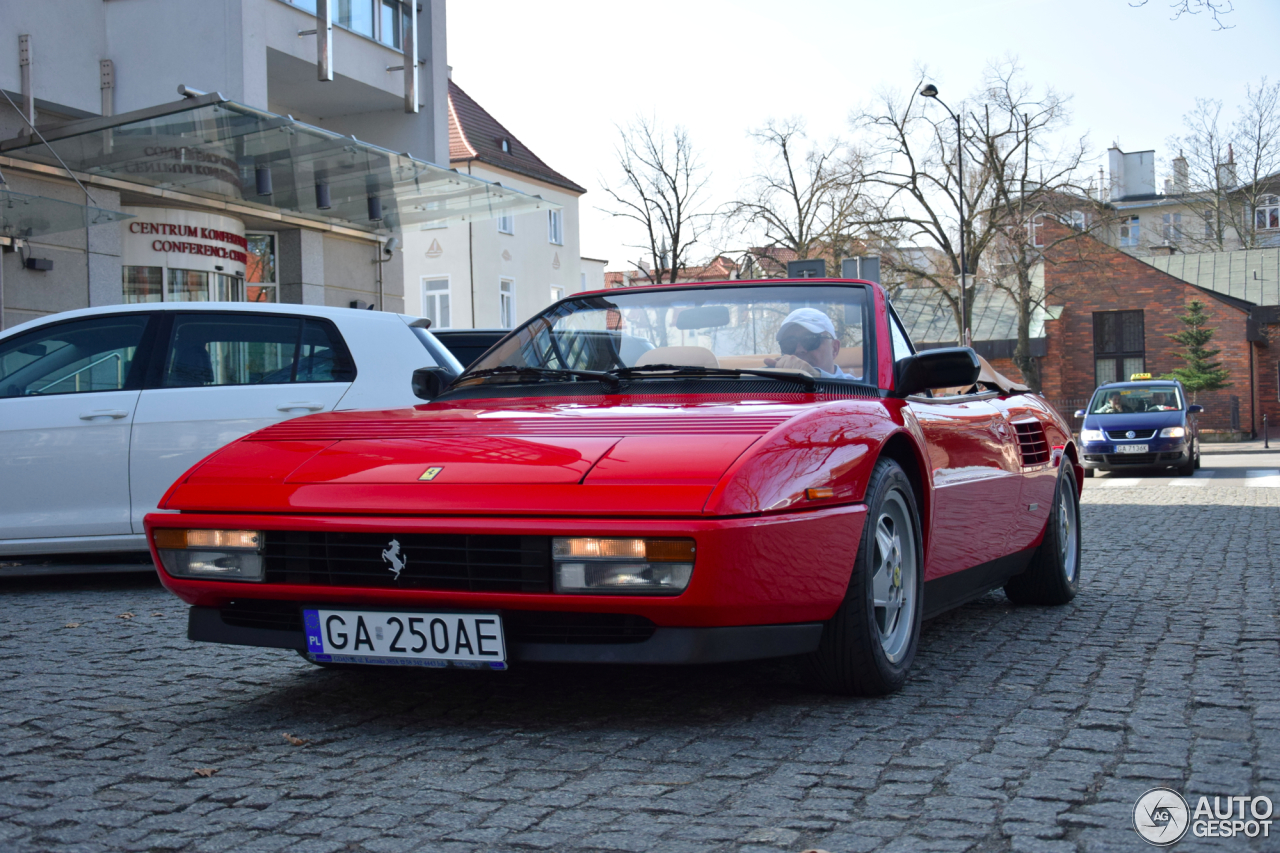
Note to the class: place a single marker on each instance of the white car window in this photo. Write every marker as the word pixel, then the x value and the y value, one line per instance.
pixel 71 358
pixel 244 349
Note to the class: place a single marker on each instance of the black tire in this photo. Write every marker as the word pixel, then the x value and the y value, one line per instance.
pixel 1089 472
pixel 852 658
pixel 1053 576
pixel 1196 449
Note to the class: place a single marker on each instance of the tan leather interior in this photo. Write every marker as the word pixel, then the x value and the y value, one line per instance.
pixel 691 356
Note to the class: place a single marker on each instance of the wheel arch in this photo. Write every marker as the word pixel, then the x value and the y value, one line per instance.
pixel 901 448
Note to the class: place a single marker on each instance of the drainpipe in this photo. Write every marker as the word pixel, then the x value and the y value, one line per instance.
pixel 471 263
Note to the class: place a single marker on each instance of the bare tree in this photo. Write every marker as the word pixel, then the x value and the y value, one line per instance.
pixel 663 189
pixel 1227 169
pixel 1037 198
pixel 805 196
pixel 1216 9
pixel 1011 171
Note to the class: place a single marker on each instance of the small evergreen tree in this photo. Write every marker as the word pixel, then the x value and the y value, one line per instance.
pixel 1200 373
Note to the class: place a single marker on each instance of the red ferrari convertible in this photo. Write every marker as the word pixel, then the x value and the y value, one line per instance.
pixel 668 475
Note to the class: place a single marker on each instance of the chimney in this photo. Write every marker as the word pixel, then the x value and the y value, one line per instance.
pixel 1180 174
pixel 1115 162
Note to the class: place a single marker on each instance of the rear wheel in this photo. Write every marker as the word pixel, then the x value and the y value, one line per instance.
pixel 868 646
pixel 1053 577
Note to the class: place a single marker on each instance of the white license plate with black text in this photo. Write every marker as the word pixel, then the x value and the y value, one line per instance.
pixel 392 638
pixel 1131 448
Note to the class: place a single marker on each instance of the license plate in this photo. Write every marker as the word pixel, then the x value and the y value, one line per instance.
pixel 390 638
pixel 1131 448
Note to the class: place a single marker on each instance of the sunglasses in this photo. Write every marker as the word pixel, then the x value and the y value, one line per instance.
pixel 809 342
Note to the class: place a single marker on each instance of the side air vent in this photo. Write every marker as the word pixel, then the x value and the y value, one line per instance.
pixel 1031 440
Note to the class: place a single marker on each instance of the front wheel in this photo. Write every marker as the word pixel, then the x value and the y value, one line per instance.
pixel 1053 576
pixel 868 646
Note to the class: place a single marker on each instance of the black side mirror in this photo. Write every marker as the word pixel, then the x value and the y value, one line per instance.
pixel 948 367
pixel 430 382
pixel 1194 409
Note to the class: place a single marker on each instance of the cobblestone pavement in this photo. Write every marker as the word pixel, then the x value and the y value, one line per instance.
pixel 1022 728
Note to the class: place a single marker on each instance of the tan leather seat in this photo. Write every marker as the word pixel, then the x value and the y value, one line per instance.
pixel 683 356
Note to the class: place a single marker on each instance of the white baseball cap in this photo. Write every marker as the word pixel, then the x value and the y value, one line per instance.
pixel 809 318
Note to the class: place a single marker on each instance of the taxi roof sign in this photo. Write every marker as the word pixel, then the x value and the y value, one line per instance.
pixel 1137 376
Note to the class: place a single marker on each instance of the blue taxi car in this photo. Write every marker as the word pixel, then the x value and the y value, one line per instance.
pixel 1143 424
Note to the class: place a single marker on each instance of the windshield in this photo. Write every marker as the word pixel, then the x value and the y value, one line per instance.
pixel 1151 398
pixel 814 330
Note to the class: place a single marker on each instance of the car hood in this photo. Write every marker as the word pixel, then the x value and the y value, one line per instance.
pixel 494 456
pixel 1134 421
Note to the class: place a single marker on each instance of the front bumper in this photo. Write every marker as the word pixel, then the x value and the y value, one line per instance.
pixel 1162 454
pixel 662 646
pixel 783 569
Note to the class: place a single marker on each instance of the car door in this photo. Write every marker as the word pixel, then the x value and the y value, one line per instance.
pixel 222 376
pixel 68 395
pixel 976 483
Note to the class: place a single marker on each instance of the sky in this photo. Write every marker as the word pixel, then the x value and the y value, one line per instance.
pixel 563 76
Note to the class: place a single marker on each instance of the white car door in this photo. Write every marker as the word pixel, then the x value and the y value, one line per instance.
pixel 223 376
pixel 68 393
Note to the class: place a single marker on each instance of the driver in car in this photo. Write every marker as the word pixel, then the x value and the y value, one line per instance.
pixel 1113 406
pixel 807 340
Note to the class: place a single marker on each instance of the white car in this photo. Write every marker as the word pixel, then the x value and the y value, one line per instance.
pixel 102 409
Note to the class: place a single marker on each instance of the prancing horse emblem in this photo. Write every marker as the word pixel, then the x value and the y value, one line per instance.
pixel 392 556
pixel 430 473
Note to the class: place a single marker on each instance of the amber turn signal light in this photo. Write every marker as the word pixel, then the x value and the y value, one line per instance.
pixel 820 493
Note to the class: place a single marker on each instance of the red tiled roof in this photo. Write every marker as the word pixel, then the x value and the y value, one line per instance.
pixel 476 135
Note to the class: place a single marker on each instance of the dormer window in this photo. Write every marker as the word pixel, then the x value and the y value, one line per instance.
pixel 506 145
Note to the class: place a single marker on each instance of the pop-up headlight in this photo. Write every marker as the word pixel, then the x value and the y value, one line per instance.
pixel 622 566
pixel 222 554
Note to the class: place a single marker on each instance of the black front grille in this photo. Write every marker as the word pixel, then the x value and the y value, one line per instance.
pixel 520 626
pixel 272 615
pixel 575 628
pixel 444 561
pixel 1123 434
pixel 1131 458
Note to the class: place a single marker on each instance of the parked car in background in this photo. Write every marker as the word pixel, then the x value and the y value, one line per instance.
pixel 1146 424
pixel 671 474
pixel 101 409
pixel 467 345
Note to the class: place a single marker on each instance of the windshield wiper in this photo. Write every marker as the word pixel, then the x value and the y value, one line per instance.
pixel 606 378
pixel 697 370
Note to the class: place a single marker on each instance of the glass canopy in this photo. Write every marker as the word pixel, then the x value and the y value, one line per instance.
pixel 213 147
pixel 23 215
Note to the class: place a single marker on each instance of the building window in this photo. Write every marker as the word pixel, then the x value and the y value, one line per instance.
pixel 555 227
pixel 305 5
pixel 1129 231
pixel 260 273
pixel 506 303
pixel 143 284
pixel 506 224
pixel 1171 227
pixel 1267 214
pixel 1033 232
pixel 1119 350
pixel 188 286
pixel 1077 219
pixel 1208 225
pixel 557 293
pixel 435 302
pixel 389 25
pixel 356 15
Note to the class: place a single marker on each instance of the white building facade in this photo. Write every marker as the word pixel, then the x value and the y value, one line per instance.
pixel 496 273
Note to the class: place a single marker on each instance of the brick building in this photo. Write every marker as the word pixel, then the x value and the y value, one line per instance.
pixel 1109 315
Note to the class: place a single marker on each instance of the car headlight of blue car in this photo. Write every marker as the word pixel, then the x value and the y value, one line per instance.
pixel 1091 436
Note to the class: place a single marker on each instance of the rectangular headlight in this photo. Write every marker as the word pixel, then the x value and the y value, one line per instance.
pixel 622 566
pixel 1088 436
pixel 1173 432
pixel 221 554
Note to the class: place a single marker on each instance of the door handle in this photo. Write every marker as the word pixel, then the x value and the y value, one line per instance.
pixel 114 414
pixel 310 407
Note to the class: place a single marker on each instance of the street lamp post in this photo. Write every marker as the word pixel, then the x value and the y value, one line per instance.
pixel 931 91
